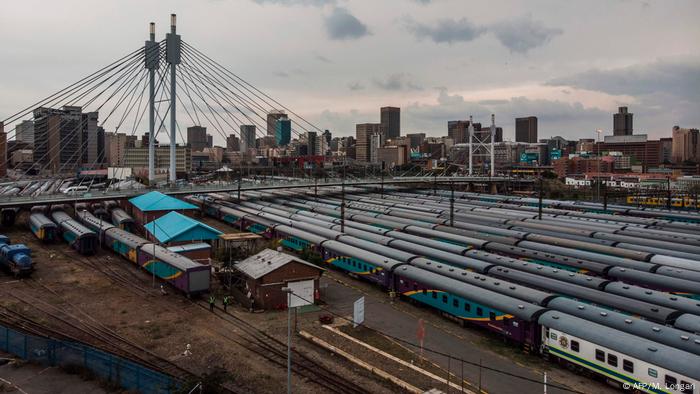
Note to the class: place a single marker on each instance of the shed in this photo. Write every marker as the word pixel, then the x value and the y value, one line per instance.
pixel 150 206
pixel 175 228
pixel 266 273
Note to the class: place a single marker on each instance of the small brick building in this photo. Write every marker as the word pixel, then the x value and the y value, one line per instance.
pixel 266 273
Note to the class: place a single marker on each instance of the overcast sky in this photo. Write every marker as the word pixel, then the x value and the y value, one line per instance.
pixel 570 63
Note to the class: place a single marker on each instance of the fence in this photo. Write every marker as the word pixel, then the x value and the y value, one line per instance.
pixel 127 374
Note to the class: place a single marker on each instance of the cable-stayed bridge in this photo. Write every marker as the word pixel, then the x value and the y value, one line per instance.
pixel 147 89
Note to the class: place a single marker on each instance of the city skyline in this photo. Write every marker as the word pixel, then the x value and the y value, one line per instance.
pixel 445 63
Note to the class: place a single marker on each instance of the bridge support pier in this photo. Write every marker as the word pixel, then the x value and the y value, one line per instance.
pixel 494 188
pixel 172 46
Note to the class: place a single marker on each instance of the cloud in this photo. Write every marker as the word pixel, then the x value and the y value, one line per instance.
pixel 445 30
pixel 342 25
pixel 322 59
pixel 314 3
pixel 397 81
pixel 522 34
pixel 356 85
pixel 680 78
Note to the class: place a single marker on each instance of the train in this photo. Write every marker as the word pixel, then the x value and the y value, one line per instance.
pixel 42 227
pixel 79 237
pixel 184 274
pixel 662 202
pixel 628 358
pixel 15 258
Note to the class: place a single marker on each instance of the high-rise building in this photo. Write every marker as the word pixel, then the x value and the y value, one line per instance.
pixel 622 122
pixel 685 145
pixel 363 135
pixel 272 118
pixel 283 131
pixel 3 151
pixel 525 129
pixel 233 143
pixel 210 141
pixel 391 121
pixel 328 137
pixel 415 139
pixel 115 148
pixel 137 158
pixel 64 139
pixel 311 146
pixel 197 138
pixel 24 132
pixel 247 137
pixel 101 145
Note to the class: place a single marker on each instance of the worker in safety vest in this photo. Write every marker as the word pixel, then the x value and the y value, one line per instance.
pixel 225 303
pixel 212 300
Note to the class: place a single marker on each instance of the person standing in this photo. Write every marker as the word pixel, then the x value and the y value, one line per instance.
pixel 225 301
pixel 212 300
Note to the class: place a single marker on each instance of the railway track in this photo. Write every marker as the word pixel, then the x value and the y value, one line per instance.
pixel 275 351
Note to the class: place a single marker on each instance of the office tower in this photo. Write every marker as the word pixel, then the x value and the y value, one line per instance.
pixel 64 138
pixel 100 145
pixel 416 139
pixel 685 145
pixel 391 121
pixel 525 130
pixel 283 131
pixel 622 122
pixel 247 137
pixel 115 147
pixel 24 132
pixel 197 138
pixel 233 144
pixel 210 141
pixel 272 118
pixel 328 137
pixel 311 149
pixel 363 134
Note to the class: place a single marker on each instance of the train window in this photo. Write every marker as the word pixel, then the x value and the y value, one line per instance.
pixel 652 372
pixel 574 346
pixel 434 295
pixel 553 336
pixel 467 307
pixel 612 360
pixel 479 312
pixel 492 316
pixel 686 388
pixel 599 355
pixel 455 303
pixel 670 381
pixel 444 298
pixel 628 366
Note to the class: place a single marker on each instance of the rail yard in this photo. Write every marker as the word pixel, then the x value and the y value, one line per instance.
pixel 601 297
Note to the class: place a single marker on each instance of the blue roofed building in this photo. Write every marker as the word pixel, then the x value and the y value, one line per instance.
pixel 150 206
pixel 177 229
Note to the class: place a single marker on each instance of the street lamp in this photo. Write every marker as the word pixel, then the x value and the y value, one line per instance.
pixel 289 338
pixel 598 131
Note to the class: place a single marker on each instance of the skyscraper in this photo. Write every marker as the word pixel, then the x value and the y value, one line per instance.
pixel 65 138
pixel 622 122
pixel 364 133
pixel 272 118
pixel 391 121
pixel 24 132
pixel 416 139
pixel 526 129
pixel 283 131
pixel 197 138
pixel 685 145
pixel 247 137
pixel 233 143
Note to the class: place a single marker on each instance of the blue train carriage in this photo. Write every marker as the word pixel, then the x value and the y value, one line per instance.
pixel 42 227
pixel 81 238
pixel 182 273
pixel 623 359
pixel 298 240
pixel 15 259
pixel 355 261
pixel 511 317
pixel 122 219
pixel 94 223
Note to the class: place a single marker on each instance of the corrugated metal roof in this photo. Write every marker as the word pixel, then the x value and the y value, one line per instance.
pixel 157 201
pixel 267 261
pixel 189 247
pixel 177 227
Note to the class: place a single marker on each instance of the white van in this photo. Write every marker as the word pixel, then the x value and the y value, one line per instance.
pixel 74 190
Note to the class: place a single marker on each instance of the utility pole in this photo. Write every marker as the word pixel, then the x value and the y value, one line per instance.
pixel 470 131
pixel 152 62
pixel 452 204
pixel 342 204
pixel 493 137
pixel 605 197
pixel 172 45
pixel 539 215
pixel 382 193
pixel 289 339
pixel 668 192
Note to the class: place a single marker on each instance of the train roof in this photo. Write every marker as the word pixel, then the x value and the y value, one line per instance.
pixel 643 349
pixel 688 322
pixel 69 224
pixel 460 239
pixel 503 303
pixel 581 264
pixel 93 222
pixel 554 273
pixel 376 248
pixel 120 216
pixel 651 311
pixel 620 321
pixel 480 280
pixel 176 260
pixel 385 262
pixel 40 220
pixel 678 302
pixel 318 230
pixel 427 242
pixel 305 235
pixel 661 281
pixel 449 258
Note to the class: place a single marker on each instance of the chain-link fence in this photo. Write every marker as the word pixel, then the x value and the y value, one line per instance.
pixel 75 356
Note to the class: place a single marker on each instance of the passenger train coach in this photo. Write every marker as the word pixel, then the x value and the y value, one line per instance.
pixel 629 360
